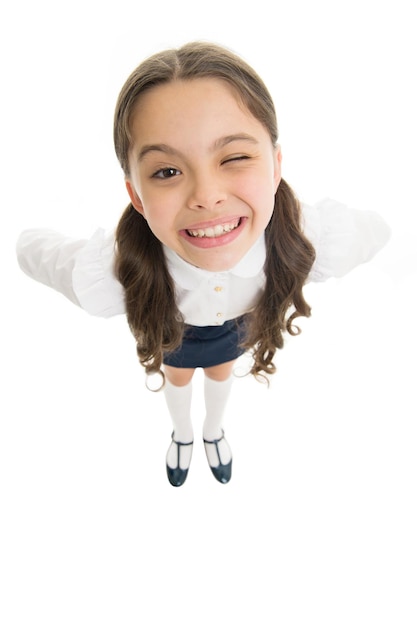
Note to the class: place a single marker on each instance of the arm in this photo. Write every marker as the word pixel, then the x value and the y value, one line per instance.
pixel 342 237
pixel 82 270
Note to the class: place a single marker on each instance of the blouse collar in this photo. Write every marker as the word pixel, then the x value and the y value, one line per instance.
pixel 188 276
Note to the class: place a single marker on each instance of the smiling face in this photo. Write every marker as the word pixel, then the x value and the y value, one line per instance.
pixel 202 171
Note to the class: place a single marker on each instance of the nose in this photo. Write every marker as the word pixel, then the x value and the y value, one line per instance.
pixel 206 192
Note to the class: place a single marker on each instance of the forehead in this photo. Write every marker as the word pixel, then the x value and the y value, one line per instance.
pixel 198 107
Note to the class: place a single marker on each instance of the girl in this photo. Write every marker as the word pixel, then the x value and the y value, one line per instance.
pixel 210 257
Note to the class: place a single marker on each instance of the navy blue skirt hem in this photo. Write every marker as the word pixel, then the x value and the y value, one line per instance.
pixel 207 346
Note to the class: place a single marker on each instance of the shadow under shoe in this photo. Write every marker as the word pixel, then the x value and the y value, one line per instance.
pixel 221 472
pixel 177 475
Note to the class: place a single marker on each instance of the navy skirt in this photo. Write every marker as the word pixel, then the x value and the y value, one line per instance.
pixel 206 346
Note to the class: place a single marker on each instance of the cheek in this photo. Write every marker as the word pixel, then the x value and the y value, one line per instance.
pixel 164 205
pixel 260 194
pixel 154 217
pixel 160 215
pixel 260 181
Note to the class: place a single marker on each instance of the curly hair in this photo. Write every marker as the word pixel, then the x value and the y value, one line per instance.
pixel 152 313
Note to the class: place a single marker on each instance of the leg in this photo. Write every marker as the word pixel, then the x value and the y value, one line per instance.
pixel 178 376
pixel 178 393
pixel 220 372
pixel 217 388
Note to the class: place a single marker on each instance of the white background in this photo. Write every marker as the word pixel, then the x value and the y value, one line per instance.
pixel 318 523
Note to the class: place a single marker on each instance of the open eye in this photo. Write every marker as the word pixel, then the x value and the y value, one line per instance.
pixel 166 172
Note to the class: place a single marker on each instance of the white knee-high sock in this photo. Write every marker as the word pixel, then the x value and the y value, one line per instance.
pixel 178 400
pixel 216 395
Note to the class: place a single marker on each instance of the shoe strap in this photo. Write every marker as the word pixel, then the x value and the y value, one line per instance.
pixel 215 441
pixel 179 443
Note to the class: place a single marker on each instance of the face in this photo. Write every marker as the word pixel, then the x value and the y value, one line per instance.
pixel 203 171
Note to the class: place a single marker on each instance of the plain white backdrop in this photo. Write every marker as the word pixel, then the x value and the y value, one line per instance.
pixel 318 522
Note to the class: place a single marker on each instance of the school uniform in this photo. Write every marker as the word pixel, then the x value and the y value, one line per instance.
pixel 213 304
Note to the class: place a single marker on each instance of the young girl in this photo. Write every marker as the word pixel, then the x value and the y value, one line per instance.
pixel 210 257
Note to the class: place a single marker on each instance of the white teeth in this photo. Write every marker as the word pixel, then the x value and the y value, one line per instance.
pixel 214 231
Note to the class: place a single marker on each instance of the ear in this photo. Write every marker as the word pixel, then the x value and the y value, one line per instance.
pixel 134 198
pixel 277 166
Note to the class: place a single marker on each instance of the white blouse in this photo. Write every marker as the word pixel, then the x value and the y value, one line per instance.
pixel 83 270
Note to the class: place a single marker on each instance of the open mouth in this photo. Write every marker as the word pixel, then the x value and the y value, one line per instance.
pixel 215 231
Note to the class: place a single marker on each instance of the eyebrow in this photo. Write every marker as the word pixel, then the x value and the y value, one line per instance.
pixel 219 143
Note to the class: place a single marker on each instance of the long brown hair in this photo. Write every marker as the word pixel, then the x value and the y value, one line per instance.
pixel 152 313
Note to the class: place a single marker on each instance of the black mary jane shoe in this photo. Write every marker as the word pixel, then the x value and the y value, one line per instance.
pixel 176 475
pixel 222 473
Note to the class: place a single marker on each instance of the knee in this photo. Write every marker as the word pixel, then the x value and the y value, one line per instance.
pixel 178 376
pixel 221 372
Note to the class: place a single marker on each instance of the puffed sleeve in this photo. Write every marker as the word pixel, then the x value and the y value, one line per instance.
pixel 82 270
pixel 342 237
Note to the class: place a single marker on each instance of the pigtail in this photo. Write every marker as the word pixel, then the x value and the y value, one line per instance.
pixel 290 257
pixel 152 314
